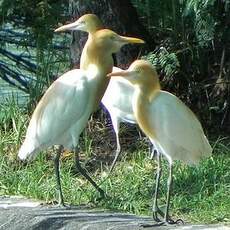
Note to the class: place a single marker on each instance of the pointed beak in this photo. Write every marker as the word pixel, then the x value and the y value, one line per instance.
pixel 68 27
pixel 131 40
pixel 124 73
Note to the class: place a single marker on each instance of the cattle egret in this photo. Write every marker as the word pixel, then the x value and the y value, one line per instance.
pixel 63 111
pixel 170 125
pixel 119 107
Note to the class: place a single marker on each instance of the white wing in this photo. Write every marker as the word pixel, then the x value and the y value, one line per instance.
pixel 62 105
pixel 118 98
pixel 178 130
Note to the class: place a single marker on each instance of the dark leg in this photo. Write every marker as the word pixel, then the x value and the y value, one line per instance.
pixel 156 209
pixel 169 183
pixel 84 173
pixel 57 172
pixel 167 219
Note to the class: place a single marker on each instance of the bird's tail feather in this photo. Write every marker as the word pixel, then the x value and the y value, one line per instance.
pixel 204 151
pixel 27 150
pixel 207 148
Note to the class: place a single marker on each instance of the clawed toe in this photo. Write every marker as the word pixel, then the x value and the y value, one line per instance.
pixel 160 223
pixel 61 205
pixel 156 219
pixel 178 221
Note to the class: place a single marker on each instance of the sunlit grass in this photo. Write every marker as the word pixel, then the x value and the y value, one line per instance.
pixel 200 194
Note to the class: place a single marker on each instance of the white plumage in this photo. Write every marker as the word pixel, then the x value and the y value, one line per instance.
pixel 119 106
pixel 119 93
pixel 61 114
pixel 170 125
pixel 178 132
pixel 63 111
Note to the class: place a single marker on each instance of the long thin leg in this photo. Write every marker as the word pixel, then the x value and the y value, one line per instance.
pixel 57 172
pixel 153 151
pixel 169 185
pixel 167 219
pixel 117 153
pixel 156 209
pixel 84 173
pixel 116 125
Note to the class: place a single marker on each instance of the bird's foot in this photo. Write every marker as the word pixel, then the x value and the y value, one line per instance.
pixel 156 211
pixel 170 221
pixel 98 198
pixel 62 206
pixel 102 194
pixel 155 217
pixel 167 220
pixel 161 223
pixel 59 205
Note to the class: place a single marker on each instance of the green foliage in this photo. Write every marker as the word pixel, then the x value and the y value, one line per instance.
pixel 11 118
pixel 36 17
pixel 204 22
pixel 175 18
pixel 167 62
pixel 49 65
pixel 196 33
pixel 30 48
pixel 13 123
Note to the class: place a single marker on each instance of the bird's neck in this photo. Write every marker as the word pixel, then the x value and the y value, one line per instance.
pixel 149 89
pixel 94 28
pixel 97 62
pixel 142 101
pixel 84 56
pixel 97 55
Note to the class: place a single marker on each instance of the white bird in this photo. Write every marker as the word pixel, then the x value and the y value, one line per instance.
pixel 170 125
pixel 63 111
pixel 119 106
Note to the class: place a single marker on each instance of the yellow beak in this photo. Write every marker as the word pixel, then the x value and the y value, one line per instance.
pixel 131 40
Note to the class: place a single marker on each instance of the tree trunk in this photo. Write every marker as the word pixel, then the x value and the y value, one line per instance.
pixel 119 16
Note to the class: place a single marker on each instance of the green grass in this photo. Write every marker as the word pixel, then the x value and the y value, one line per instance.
pixel 200 194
